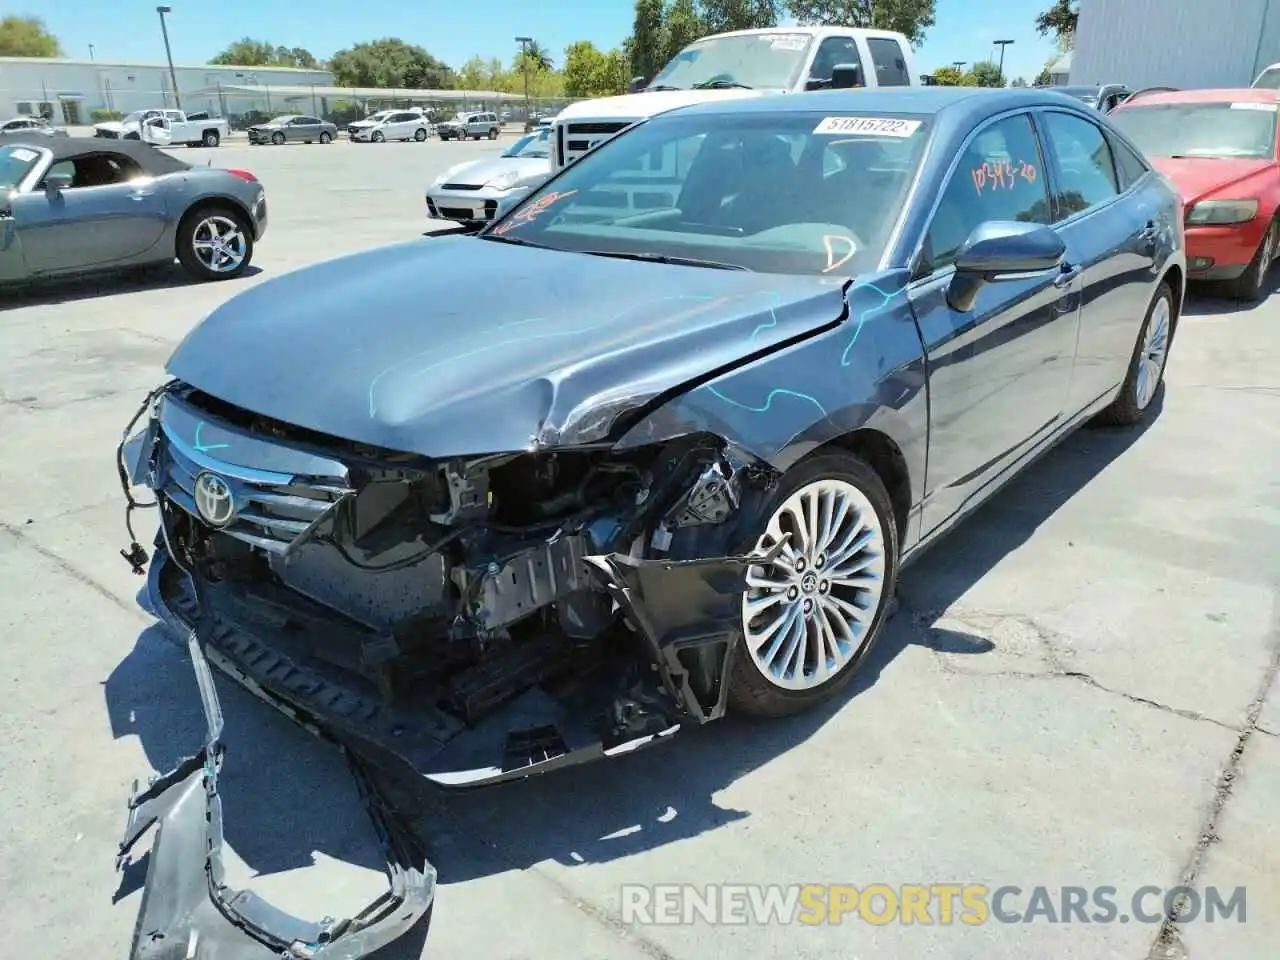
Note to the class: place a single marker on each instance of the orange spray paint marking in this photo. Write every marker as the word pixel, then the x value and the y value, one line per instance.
pixel 829 241
pixel 531 212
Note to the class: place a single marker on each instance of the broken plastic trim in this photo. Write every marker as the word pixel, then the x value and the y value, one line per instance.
pixel 689 612
pixel 187 910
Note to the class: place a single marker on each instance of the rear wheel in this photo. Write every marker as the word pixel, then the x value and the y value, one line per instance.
pixel 810 617
pixel 215 243
pixel 1146 369
pixel 1252 284
pixel 212 138
pixel 419 134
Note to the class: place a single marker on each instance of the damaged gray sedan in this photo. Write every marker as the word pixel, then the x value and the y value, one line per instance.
pixel 480 541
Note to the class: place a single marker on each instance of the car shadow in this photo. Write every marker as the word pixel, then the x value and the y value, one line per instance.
pixel 131 280
pixel 1212 299
pixel 284 791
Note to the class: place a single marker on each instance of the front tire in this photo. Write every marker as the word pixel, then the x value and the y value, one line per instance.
pixel 1251 285
pixel 1146 368
pixel 215 243
pixel 278 139
pixel 493 134
pixel 377 137
pixel 325 138
pixel 811 617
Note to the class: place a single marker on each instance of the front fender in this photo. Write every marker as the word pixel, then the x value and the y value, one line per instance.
pixel 867 373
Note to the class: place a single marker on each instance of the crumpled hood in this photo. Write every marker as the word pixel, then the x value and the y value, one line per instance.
pixel 482 171
pixel 436 347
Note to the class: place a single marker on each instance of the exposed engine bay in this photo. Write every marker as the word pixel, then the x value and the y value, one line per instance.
pixel 442 592
pixel 475 620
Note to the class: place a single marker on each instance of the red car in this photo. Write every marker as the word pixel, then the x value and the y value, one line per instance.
pixel 1219 149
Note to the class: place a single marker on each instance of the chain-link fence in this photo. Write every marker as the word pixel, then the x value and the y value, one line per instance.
pixel 245 104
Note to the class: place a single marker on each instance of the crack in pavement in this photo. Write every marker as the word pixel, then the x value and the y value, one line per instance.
pixel 69 569
pixel 1056 665
pixel 1168 944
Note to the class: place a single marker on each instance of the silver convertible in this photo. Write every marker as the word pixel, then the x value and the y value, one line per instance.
pixel 72 206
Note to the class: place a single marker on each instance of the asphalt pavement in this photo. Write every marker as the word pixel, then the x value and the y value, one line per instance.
pixel 1079 689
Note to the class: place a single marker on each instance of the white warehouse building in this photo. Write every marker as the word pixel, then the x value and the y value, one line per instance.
pixel 70 90
pixel 1176 43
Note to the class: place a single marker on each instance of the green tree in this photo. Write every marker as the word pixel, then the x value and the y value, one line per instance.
pixel 719 16
pixel 1060 20
pixel 952 77
pixel 390 62
pixel 984 73
pixel 909 17
pixel 1018 82
pixel 248 52
pixel 538 55
pixel 473 75
pixel 1044 78
pixel 27 37
pixel 590 72
pixel 647 46
pixel 683 24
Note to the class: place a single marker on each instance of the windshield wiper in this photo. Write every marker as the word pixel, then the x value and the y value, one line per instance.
pixel 722 85
pixel 515 241
pixel 663 86
pixel 664 258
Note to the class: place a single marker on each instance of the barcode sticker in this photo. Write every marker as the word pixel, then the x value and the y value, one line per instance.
pixel 869 126
pixel 795 41
pixel 1265 107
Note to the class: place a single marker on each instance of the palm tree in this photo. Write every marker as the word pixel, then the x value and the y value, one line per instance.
pixel 539 57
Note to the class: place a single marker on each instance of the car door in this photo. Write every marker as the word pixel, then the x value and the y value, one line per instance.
pixel 301 128
pixel 998 373
pixel 1112 240
pixel 91 225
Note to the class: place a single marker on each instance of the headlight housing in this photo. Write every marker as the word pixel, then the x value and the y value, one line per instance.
pixel 504 181
pixel 1215 212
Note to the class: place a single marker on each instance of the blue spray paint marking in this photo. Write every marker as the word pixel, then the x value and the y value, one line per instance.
pixel 206 447
pixel 773 316
pixel 373 384
pixel 844 357
pixel 768 401
pixel 862 317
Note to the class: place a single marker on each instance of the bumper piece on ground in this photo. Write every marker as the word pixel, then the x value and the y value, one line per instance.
pixel 187 911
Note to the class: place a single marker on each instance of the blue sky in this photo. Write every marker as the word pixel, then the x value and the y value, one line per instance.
pixel 456 31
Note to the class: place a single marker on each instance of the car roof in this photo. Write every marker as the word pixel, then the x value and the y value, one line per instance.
pixel 963 104
pixel 154 162
pixel 1222 95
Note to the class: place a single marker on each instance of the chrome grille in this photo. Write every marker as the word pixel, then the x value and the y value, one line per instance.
pixel 272 508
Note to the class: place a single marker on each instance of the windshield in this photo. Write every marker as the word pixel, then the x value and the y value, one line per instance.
pixel 379 116
pixel 15 163
pixel 1215 130
pixel 763 61
pixel 789 193
pixel 534 145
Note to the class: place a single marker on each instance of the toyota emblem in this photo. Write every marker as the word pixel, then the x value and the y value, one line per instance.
pixel 214 500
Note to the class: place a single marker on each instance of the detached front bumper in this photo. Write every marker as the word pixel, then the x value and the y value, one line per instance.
pixel 189 913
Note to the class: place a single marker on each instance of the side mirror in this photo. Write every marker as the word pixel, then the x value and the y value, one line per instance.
pixel 1002 250
pixel 845 76
pixel 55 183
pixel 637 84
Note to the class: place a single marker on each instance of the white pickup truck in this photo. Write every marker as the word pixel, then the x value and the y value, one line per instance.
pixel 195 130
pixel 742 63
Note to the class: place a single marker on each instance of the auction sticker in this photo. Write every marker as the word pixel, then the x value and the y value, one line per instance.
pixel 24 155
pixel 869 126
pixel 1267 107
pixel 790 41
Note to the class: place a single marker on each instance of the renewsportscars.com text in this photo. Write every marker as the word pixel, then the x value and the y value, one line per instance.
pixel 971 904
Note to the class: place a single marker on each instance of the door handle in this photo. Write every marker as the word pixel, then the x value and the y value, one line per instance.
pixel 141 194
pixel 1068 274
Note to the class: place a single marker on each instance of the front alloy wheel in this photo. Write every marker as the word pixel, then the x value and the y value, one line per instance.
pixel 811 615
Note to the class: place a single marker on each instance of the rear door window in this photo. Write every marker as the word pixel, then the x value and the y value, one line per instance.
pixel 889 61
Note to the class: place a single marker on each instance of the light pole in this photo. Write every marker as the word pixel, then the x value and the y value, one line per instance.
pixel 524 57
pixel 173 75
pixel 1002 44
pixel 91 53
pixel 959 63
